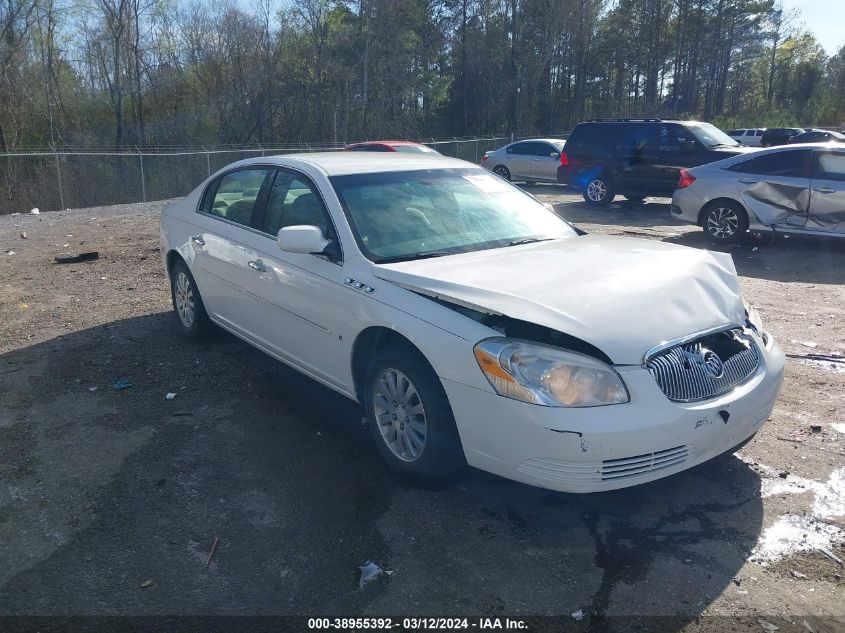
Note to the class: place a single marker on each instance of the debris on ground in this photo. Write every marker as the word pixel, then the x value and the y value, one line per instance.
pixel 170 396
pixel 830 555
pixel 369 572
pixel 92 388
pixel 10 252
pixel 767 626
pixel 798 575
pixel 35 211
pixel 123 383
pixel 147 583
pixel 816 428
pixel 213 549
pixel 578 615
pixel 23 236
pixel 783 474
pixel 73 259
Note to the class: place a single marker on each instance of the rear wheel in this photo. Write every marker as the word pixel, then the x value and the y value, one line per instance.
pixel 725 221
pixel 410 419
pixel 599 191
pixel 187 302
pixel 502 171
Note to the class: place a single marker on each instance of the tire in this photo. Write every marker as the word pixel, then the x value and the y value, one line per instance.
pixel 600 191
pixel 502 172
pixel 431 450
pixel 188 307
pixel 634 199
pixel 724 221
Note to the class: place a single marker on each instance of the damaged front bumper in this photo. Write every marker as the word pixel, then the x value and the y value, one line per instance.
pixel 605 448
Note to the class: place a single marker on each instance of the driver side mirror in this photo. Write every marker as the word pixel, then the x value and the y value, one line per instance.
pixel 554 155
pixel 304 239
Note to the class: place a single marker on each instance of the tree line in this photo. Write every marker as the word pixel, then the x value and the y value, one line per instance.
pixel 210 72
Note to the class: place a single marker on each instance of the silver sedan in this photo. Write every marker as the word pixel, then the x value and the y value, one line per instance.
pixel 534 160
pixel 793 189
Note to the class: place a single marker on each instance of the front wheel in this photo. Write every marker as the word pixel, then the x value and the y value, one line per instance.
pixel 725 222
pixel 410 419
pixel 599 191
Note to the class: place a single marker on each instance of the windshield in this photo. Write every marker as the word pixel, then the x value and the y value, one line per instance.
pixel 711 136
pixel 431 212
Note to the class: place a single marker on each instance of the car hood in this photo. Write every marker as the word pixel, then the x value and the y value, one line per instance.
pixel 622 295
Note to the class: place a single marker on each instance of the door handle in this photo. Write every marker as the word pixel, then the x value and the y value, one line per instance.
pixel 824 190
pixel 257 265
pixel 197 239
pixel 747 181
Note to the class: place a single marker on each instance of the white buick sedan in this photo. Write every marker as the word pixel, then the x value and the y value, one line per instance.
pixel 473 324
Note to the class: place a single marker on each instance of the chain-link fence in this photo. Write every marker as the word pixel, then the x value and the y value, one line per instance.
pixel 65 179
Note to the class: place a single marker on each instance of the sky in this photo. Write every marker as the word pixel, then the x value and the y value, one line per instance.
pixel 824 18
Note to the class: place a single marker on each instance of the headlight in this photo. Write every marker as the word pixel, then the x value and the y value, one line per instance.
pixel 753 318
pixel 548 376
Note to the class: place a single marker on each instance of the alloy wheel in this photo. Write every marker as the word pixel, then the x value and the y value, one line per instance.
pixel 183 297
pixel 596 190
pixel 400 415
pixel 722 223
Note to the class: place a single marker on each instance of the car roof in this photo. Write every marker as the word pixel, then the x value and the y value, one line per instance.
pixel 542 140
pixel 346 163
pixel 386 142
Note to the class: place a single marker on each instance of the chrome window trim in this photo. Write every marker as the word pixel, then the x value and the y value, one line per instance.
pixel 270 168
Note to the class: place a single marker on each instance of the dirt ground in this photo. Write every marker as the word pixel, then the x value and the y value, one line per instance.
pixel 110 500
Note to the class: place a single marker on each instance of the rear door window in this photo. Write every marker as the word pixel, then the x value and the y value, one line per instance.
pixel 790 164
pixel 520 149
pixel 234 196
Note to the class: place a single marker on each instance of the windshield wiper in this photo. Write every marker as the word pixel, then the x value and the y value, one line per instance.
pixel 529 240
pixel 406 258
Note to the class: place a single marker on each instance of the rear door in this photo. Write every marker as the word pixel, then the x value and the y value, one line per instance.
pixel 776 186
pixel 636 157
pixel 518 159
pixel 827 195
pixel 544 161
pixel 223 255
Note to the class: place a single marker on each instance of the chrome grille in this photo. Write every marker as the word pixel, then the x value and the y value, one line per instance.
pixel 689 371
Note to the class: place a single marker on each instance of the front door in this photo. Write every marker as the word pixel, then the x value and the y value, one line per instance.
pixel 544 161
pixel 827 195
pixel 302 299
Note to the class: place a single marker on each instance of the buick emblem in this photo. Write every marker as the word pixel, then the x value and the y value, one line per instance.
pixel 713 365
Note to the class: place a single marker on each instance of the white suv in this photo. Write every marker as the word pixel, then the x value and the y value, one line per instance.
pixel 474 324
pixel 750 137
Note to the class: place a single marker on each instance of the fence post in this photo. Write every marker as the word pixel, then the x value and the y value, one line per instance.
pixel 207 160
pixel 476 149
pixel 262 150
pixel 143 179
pixel 59 177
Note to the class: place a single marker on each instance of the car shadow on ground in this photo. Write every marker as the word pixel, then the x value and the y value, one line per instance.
pixel 112 499
pixel 802 258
